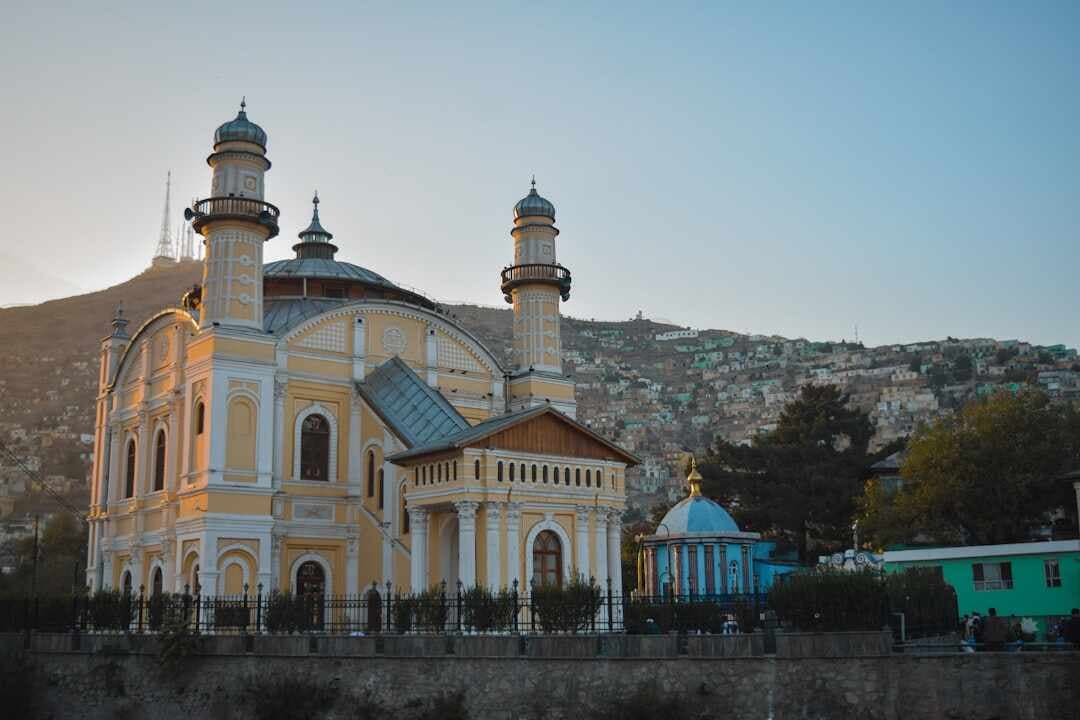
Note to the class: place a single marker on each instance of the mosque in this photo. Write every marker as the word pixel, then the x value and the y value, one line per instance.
pixel 309 426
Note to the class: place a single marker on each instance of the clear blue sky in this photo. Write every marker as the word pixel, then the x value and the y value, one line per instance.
pixel 910 167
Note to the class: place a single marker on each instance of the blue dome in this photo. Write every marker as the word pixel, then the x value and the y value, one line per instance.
pixel 698 514
pixel 241 129
pixel 534 204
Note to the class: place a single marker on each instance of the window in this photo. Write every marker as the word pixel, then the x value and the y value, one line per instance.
pixel 416 477
pixel 404 518
pixel 733 577
pixel 381 489
pixel 129 470
pixel 315 448
pixel 566 476
pixel 545 473
pixel 423 478
pixel 588 478
pixel 512 466
pixel 476 470
pixel 1052 572
pixel 577 476
pixel 500 470
pixel 598 483
pixel 159 461
pixel 534 473
pixel 992 576
pixel 521 469
pixel 547 559
pixel 200 418
pixel 691 555
pixel 371 473
pixel 555 476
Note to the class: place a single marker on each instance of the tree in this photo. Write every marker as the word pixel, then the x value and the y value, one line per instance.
pixel 797 483
pixel 61 551
pixel 989 474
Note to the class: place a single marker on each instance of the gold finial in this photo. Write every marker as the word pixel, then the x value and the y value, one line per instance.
pixel 694 478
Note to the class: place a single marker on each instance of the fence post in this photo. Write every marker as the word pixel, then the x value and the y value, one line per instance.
pixel 258 608
pixel 139 608
pixel 610 614
pixel 517 607
pixel 457 612
pixel 389 607
pixel 198 609
pixel 247 613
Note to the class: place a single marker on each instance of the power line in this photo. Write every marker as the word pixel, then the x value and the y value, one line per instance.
pixel 7 454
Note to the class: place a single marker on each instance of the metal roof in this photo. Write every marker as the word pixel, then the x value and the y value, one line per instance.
pixel 324 268
pixel 280 314
pixel 415 411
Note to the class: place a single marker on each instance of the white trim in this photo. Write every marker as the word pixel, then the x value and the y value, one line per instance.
pixel 313 409
pixel 223 565
pixel 983 551
pixel 315 557
pixel 566 549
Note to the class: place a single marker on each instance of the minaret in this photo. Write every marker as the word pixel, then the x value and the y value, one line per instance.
pixel 235 221
pixel 315 240
pixel 534 285
pixel 164 255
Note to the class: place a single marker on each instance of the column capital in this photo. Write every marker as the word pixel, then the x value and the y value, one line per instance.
pixel 280 388
pixel 582 512
pixel 466 511
pixel 418 519
pixel 613 515
pixel 493 510
pixel 513 513
pixel 601 519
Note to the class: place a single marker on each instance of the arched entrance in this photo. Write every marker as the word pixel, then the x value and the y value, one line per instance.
pixel 311 586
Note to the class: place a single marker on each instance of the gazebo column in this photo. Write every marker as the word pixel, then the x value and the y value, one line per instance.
pixel 418 550
pixel 466 510
pixel 492 527
pixel 581 542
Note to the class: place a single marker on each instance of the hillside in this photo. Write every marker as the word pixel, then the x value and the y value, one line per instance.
pixel 655 388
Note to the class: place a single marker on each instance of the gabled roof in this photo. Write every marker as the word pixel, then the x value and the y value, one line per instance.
pixel 891 464
pixel 416 412
pixel 476 433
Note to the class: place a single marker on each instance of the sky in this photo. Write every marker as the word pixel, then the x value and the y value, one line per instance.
pixel 798 169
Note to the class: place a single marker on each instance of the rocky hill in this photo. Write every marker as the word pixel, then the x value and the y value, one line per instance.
pixel 655 388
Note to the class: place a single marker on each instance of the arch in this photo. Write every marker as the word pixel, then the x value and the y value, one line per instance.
pixel 331 459
pixel 598 477
pixel 189 569
pixel 547 552
pixel 564 539
pixel 179 315
pixel 160 442
pixel 544 472
pixel 125 582
pixel 566 477
pixel 235 556
pixel 511 472
pixel 200 416
pixel 294 571
pixel 157 581
pixel 242 429
pixel 577 476
pixel 129 467
pixel 588 477
pixel 534 472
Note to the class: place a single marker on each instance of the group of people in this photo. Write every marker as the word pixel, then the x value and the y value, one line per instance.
pixel 994 633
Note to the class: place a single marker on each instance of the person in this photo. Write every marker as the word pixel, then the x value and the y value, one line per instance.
pixel 973 631
pixel 1071 629
pixel 995 632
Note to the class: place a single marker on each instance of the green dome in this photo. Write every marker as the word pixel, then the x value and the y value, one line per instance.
pixel 534 204
pixel 240 129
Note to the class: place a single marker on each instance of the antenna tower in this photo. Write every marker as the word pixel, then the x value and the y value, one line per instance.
pixel 165 245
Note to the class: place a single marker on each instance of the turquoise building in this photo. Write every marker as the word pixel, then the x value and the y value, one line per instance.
pixel 1037 580
pixel 698 551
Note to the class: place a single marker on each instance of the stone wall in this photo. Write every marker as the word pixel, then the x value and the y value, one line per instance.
pixel 124 681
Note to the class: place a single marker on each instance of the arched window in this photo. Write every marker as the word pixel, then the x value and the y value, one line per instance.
pixel 310 579
pixel 588 478
pixel 200 417
pixel 521 469
pixel 423 475
pixel 534 473
pixel 499 471
pixel 733 577
pixel 156 582
pixel 371 473
pixel 545 473
pixel 381 488
pixel 455 470
pixel 598 478
pixel 404 518
pixel 566 477
pixel 315 448
pixel 129 470
pixel 512 466
pixel 196 583
pixel 577 476
pixel 125 582
pixel 416 477
pixel 547 559
pixel 159 461
pixel 476 470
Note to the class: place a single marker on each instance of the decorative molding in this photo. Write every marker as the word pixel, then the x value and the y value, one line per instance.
pixel 298 424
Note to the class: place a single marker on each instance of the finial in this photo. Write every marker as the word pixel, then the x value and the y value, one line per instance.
pixel 315 206
pixel 243 102
pixel 119 322
pixel 533 183
pixel 694 478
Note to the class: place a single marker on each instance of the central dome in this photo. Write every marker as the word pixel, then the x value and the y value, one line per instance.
pixel 697 514
pixel 240 129
pixel 534 204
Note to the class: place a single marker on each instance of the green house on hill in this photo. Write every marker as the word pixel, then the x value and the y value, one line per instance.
pixel 1038 580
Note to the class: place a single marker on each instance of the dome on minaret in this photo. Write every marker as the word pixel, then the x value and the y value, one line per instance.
pixel 241 129
pixel 315 239
pixel 534 204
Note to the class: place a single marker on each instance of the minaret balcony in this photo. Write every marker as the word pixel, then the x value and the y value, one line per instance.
pixel 233 208
pixel 535 274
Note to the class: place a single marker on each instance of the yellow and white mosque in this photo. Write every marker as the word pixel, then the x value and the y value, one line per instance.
pixel 310 426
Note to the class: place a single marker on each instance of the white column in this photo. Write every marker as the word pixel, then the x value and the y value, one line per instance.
pixel 135 559
pixel 431 356
pixel 168 561
pixel 356 448
pixel 208 560
pixel 279 433
pixel 513 545
pixel 352 564
pixel 418 579
pixel 107 570
pixel 492 525
pixel 264 573
pixel 466 510
pixel 359 349
pixel 601 550
pixel 142 455
pixel 387 552
pixel 581 541
pixel 614 546
pixel 275 560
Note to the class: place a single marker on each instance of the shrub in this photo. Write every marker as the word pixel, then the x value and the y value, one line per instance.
pixel 402 612
pixel 570 608
pixel 109 610
pixel 831 600
pixel 927 601
pixel 483 610
pixel 290 613
pixel 432 610
pixel 178 642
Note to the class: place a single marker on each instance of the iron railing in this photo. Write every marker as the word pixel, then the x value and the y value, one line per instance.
pixel 217 208
pixel 535 272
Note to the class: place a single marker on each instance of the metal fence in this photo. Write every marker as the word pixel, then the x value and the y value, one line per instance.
pixel 381 610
